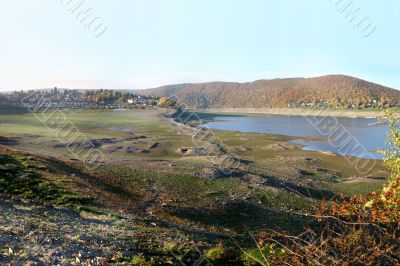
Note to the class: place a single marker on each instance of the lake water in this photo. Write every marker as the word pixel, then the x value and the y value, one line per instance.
pixel 358 137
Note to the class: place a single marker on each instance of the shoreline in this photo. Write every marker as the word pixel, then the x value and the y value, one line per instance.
pixel 297 111
pixel 301 141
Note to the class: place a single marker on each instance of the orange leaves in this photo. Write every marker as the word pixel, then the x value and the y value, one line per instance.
pixel 378 207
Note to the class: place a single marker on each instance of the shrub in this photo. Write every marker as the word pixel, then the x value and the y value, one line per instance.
pixel 264 254
pixel 216 253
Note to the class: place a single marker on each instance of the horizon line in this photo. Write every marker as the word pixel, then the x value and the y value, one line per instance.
pixel 202 82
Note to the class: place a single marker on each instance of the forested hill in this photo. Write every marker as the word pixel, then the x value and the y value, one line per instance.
pixel 335 91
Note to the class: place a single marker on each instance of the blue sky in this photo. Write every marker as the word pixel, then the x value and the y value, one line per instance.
pixel 149 43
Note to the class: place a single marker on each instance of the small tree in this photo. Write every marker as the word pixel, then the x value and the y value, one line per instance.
pixel 392 153
pixel 166 102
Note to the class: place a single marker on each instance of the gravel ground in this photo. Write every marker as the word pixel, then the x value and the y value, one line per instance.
pixel 44 235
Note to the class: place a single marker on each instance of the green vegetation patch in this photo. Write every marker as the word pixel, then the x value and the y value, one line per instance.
pixel 20 176
pixel 357 188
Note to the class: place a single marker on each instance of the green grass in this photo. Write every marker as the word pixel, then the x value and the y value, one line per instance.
pixel 20 176
pixel 357 188
pixel 193 199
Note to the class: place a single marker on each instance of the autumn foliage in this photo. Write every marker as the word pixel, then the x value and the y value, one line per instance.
pixel 361 230
pixel 335 91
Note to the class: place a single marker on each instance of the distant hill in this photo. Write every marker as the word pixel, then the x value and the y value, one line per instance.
pixel 335 91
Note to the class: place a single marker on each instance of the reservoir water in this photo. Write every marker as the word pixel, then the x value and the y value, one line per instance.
pixel 358 137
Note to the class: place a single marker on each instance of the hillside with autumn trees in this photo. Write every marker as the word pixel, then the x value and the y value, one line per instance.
pixel 334 91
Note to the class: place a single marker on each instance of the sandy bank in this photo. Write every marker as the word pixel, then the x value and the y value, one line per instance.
pixel 297 111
